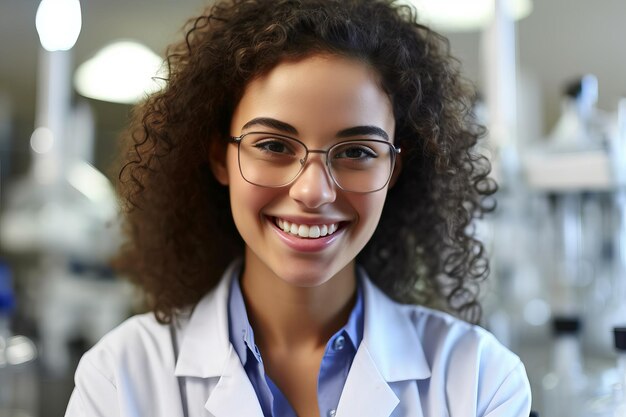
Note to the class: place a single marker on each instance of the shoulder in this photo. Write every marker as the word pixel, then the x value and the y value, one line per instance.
pixel 446 337
pixel 463 366
pixel 138 343
pixel 141 344
pixel 130 371
pixel 440 335
pixel 468 362
pixel 441 330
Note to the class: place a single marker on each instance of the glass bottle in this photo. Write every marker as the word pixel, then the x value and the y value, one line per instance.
pixel 7 304
pixel 18 379
pixel 564 386
pixel 620 345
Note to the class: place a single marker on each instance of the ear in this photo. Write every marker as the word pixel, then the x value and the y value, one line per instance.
pixel 397 168
pixel 217 160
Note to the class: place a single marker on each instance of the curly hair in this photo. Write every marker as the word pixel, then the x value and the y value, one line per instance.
pixel 178 223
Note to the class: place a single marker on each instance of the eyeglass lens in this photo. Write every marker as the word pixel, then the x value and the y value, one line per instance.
pixel 355 165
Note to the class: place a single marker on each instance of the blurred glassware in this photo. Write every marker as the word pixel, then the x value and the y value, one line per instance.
pixel 620 346
pixel 18 373
pixel 564 386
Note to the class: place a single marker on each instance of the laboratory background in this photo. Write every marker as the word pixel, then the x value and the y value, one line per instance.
pixel 551 77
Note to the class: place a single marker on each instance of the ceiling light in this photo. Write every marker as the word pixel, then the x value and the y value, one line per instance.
pixel 464 15
pixel 122 72
pixel 42 140
pixel 58 24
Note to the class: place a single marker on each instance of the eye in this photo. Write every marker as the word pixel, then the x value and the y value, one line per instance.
pixel 355 152
pixel 274 146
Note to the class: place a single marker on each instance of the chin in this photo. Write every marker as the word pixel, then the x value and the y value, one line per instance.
pixel 307 274
pixel 302 278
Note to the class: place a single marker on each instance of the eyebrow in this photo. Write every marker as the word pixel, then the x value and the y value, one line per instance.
pixel 287 128
pixel 272 124
pixel 363 131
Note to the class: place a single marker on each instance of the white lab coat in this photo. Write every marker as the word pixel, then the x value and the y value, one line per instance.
pixel 412 362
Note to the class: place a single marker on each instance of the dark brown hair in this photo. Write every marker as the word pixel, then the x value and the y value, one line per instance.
pixel 180 232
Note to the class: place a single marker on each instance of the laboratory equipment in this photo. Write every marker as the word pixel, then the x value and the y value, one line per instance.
pixel 564 386
pixel 63 214
pixel 18 381
pixel 620 346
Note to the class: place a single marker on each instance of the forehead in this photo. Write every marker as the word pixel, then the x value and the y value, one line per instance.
pixel 318 95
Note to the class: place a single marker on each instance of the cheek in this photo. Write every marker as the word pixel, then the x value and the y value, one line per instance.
pixel 247 200
pixel 369 208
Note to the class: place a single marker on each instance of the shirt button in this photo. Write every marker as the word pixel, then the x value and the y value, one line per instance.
pixel 332 413
pixel 338 344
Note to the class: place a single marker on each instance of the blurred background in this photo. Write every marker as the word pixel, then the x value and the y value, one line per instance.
pixel 551 77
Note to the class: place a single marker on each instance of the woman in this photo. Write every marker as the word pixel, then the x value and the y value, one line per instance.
pixel 303 182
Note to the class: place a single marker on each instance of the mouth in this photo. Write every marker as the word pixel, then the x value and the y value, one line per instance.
pixel 306 231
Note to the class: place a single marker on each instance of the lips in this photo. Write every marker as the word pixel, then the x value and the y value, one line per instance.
pixel 306 231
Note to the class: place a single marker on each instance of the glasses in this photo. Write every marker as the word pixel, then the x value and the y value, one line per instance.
pixel 272 160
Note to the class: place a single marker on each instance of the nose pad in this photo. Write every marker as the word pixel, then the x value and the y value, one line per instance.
pixel 314 186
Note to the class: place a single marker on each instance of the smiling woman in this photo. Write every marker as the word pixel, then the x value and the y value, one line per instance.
pixel 319 98
pixel 296 197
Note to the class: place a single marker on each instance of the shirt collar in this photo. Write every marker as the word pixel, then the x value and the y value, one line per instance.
pixel 242 335
pixel 354 326
pixel 389 334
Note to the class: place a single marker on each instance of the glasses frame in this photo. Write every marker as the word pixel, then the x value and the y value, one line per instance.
pixel 395 151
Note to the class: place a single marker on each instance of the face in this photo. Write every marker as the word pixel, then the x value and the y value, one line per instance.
pixel 320 100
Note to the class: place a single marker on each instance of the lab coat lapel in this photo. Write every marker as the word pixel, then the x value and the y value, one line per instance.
pixel 206 352
pixel 205 344
pixel 234 395
pixel 366 393
pixel 389 359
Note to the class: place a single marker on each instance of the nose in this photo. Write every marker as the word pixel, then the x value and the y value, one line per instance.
pixel 314 187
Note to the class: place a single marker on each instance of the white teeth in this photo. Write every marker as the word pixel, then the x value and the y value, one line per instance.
pixel 314 232
pixel 305 231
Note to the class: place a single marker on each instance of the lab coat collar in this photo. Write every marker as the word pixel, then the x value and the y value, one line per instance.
pixel 391 337
pixel 389 352
pixel 206 352
pixel 234 394
pixel 206 347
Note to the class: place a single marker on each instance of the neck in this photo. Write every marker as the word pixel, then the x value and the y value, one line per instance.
pixel 289 317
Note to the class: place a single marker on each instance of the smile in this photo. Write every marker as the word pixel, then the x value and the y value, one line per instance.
pixel 306 231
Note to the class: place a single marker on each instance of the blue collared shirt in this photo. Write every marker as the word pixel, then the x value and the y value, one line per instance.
pixel 338 357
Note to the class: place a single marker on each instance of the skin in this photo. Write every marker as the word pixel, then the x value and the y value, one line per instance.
pixel 296 300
